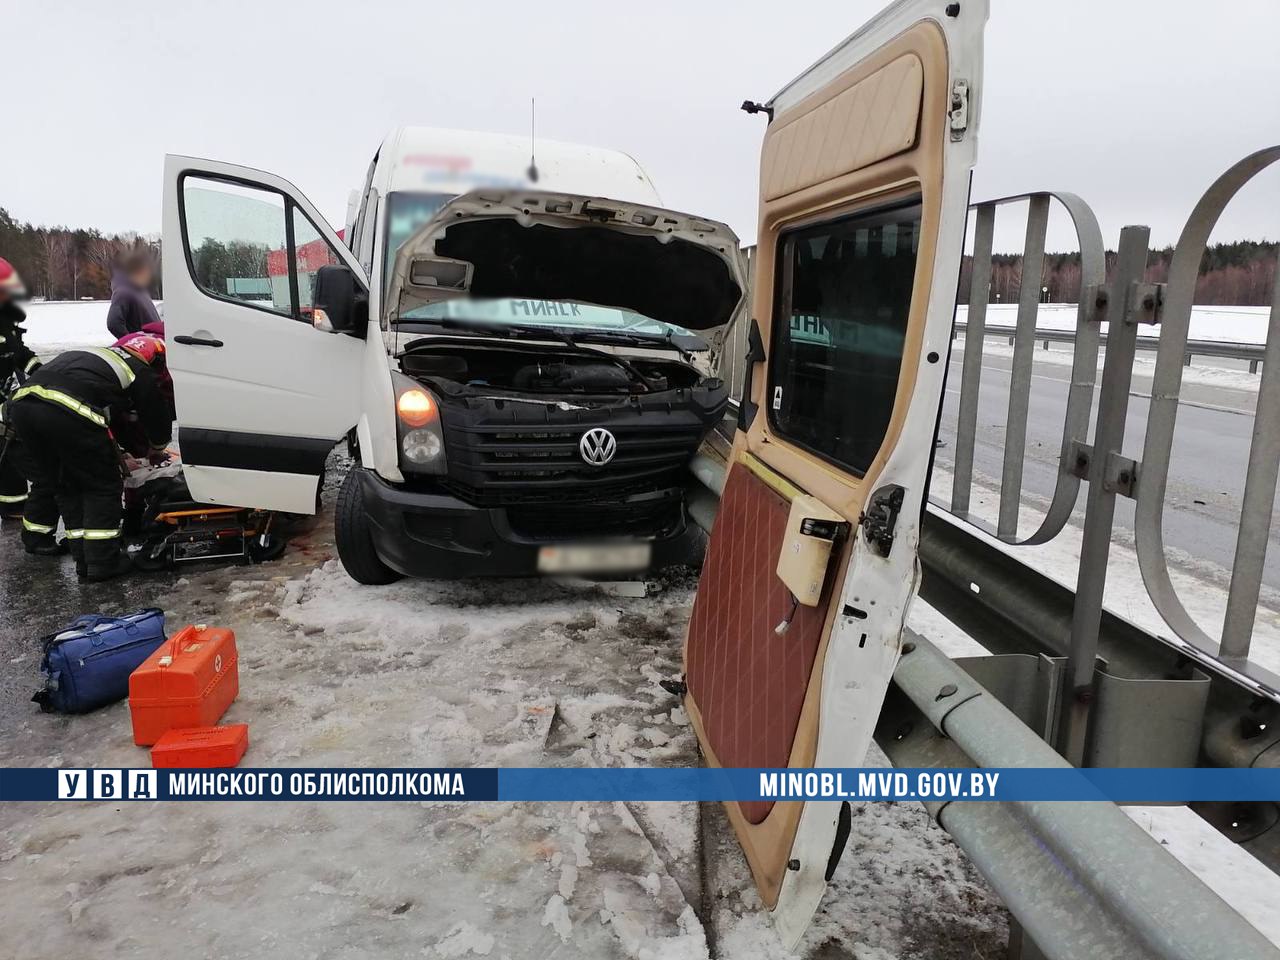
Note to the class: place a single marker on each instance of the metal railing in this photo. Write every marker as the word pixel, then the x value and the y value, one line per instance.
pixel 1112 692
pixel 1226 349
pixel 1126 302
pixel 1082 880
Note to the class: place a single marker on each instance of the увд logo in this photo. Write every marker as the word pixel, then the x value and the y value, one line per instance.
pixel 107 784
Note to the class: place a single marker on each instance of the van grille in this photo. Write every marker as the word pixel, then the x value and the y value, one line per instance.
pixel 511 463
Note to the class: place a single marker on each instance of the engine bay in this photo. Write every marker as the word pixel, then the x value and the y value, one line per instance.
pixel 571 372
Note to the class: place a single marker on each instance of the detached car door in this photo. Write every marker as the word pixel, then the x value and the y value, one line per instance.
pixel 797 622
pixel 262 395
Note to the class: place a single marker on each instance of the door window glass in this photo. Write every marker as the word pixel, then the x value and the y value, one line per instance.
pixel 313 252
pixel 237 242
pixel 839 330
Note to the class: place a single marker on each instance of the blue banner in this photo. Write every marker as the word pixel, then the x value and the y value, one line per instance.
pixel 1124 785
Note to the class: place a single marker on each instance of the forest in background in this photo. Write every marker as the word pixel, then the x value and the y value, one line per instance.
pixel 1239 274
pixel 64 263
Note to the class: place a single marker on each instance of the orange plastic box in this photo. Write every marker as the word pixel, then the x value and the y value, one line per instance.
pixel 202 747
pixel 189 681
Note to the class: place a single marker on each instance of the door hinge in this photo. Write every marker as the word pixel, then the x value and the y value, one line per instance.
pixel 958 115
pixel 880 519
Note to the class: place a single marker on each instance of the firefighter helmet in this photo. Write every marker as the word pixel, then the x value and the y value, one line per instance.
pixel 147 348
pixel 10 282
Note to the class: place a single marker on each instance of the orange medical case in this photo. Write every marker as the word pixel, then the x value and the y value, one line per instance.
pixel 201 747
pixel 189 681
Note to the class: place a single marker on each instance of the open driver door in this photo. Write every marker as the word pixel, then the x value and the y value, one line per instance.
pixel 797 623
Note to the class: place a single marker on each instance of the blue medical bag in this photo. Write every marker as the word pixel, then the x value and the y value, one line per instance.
pixel 86 665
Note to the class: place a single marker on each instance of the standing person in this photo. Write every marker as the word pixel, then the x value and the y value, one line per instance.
pixel 16 361
pixel 61 419
pixel 131 305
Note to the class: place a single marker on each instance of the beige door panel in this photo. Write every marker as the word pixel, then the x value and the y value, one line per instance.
pixel 867 178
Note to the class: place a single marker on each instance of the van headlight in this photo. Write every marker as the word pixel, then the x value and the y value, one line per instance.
pixel 421 446
pixel 418 427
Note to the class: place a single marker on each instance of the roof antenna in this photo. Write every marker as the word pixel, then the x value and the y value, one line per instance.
pixel 533 163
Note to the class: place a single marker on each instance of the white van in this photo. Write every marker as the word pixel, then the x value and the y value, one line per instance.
pixel 515 347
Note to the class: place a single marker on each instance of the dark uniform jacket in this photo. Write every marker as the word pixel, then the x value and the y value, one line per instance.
pixel 101 383
pixel 131 307
pixel 14 355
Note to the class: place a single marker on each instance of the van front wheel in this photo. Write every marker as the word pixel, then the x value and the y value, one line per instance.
pixel 355 541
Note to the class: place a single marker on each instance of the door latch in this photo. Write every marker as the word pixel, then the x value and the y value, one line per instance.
pixel 880 519
pixel 833 530
pixel 958 115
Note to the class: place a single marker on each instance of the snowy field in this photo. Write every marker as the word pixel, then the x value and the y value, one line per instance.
pixel 55 325
pixel 1230 324
pixel 422 674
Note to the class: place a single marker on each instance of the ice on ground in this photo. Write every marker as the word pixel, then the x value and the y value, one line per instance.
pixel 517 673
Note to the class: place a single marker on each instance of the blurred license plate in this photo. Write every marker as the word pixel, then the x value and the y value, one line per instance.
pixel 593 558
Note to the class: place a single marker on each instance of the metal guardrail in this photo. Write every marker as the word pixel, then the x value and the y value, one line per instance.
pixel 1125 301
pixel 1081 880
pixel 1252 352
pixel 1099 689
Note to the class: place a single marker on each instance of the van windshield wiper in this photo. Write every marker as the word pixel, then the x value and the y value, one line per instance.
pixel 575 339
pixel 571 336
pixel 666 340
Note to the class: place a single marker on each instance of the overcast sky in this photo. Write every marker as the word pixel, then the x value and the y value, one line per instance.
pixel 1134 105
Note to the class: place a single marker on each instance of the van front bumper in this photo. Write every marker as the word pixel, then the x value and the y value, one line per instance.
pixel 439 536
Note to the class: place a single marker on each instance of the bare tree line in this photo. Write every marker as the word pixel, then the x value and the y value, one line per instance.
pixel 1241 273
pixel 64 263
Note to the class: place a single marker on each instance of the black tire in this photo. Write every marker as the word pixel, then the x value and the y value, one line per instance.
pixel 355 542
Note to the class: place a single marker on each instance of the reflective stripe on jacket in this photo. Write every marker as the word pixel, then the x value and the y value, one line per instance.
pixel 64 399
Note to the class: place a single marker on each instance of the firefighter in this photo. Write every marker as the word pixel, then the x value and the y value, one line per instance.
pixel 62 418
pixel 16 361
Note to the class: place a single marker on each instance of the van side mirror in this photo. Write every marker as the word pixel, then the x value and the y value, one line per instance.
pixel 340 304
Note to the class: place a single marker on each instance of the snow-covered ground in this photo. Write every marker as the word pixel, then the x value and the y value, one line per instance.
pixel 1231 324
pixel 494 673
pixel 422 674
pixel 54 325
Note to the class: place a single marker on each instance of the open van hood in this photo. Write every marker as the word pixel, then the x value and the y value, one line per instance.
pixel 536 245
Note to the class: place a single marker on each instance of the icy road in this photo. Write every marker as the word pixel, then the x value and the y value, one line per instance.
pixel 421 674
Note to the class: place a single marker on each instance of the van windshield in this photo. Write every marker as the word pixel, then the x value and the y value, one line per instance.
pixel 407 212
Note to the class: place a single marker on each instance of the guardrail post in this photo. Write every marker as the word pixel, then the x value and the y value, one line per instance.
pixel 1257 504
pixel 1015 433
pixel 971 371
pixel 1095 549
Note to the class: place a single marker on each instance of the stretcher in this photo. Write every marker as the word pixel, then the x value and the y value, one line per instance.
pixel 166 528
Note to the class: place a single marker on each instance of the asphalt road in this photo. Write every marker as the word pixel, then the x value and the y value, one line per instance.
pixel 1210 454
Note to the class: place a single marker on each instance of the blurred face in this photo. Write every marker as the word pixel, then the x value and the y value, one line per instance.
pixel 141 277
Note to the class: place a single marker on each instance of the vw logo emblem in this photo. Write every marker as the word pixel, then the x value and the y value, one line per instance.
pixel 597 446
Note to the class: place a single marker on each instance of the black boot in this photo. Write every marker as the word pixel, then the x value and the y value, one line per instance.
pixel 44 545
pixel 98 568
pixel 77 551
